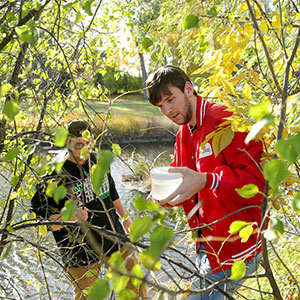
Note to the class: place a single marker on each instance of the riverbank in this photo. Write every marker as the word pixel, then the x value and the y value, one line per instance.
pixel 128 121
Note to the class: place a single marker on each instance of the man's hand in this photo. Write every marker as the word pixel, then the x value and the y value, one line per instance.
pixel 126 224
pixel 81 215
pixel 192 183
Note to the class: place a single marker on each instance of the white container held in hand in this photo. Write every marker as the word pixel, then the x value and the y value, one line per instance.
pixel 164 183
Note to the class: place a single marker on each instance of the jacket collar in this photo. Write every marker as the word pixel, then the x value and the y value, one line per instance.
pixel 201 110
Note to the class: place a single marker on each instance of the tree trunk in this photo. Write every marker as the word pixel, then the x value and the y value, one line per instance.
pixel 144 74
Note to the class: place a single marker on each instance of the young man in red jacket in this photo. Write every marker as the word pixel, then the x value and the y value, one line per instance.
pixel 208 191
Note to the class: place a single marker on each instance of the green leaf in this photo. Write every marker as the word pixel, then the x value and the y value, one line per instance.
pixel 116 261
pixel 6 252
pixel 68 210
pixel 142 204
pixel 6 87
pixel 61 135
pixel 275 229
pixel 119 283
pixel 10 110
pixel 138 272
pixel 289 149
pixel 238 270
pixel 296 202
pixel 212 12
pixel 14 180
pixel 86 135
pixel 27 33
pixel 79 17
pixel 245 233
pixel 236 226
pixel 260 111
pixel 99 290
pixel 10 17
pixel 86 5
pixel 148 261
pixel 139 227
pixel 126 295
pixel 116 149
pixel 190 21
pixel 11 154
pixel 248 191
pixel 60 193
pixel 51 188
pixel 146 43
pixel 105 158
pixel 92 273
pixel 10 229
pixel 159 239
pixel 275 172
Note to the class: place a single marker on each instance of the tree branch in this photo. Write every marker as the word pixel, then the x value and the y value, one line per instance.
pixel 270 63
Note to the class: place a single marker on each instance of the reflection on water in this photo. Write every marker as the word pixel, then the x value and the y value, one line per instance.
pixel 21 274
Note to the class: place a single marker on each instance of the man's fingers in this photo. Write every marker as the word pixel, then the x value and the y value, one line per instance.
pixel 177 200
pixel 176 170
pixel 172 196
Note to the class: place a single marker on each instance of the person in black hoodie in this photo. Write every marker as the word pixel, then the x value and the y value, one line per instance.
pixel 84 248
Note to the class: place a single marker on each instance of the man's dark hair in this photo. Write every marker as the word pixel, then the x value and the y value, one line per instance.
pixel 158 82
pixel 76 126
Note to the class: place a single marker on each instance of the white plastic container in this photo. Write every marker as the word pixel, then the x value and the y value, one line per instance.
pixel 163 182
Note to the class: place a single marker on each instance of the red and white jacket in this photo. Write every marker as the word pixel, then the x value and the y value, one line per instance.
pixel 237 165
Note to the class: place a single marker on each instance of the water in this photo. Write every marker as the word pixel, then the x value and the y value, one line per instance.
pixel 22 276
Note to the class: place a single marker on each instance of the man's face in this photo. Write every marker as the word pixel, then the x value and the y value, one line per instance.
pixel 80 148
pixel 177 106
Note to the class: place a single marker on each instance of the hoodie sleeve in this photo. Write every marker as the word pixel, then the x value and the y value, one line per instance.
pixel 42 205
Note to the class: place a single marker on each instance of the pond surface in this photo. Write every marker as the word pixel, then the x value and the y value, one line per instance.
pixel 21 274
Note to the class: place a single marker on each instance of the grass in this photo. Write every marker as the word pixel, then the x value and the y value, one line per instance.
pixel 131 117
pixel 126 108
pixel 127 104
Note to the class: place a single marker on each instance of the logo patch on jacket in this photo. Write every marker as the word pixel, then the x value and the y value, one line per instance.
pixel 206 152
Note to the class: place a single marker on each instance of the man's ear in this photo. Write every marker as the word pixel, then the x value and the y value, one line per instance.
pixel 189 89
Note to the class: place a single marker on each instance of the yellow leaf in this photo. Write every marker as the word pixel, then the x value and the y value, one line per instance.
pixel 297 16
pixel 207 138
pixel 239 125
pixel 279 67
pixel 29 282
pixel 276 21
pixel 247 92
pixel 257 11
pixel 239 77
pixel 295 129
pixel 248 30
pixel 42 230
pixel 294 179
pixel 295 97
pixel 243 7
pixel 225 123
pixel 275 203
pixel 255 77
pixel 222 139
pixel 229 88
pixel 264 26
